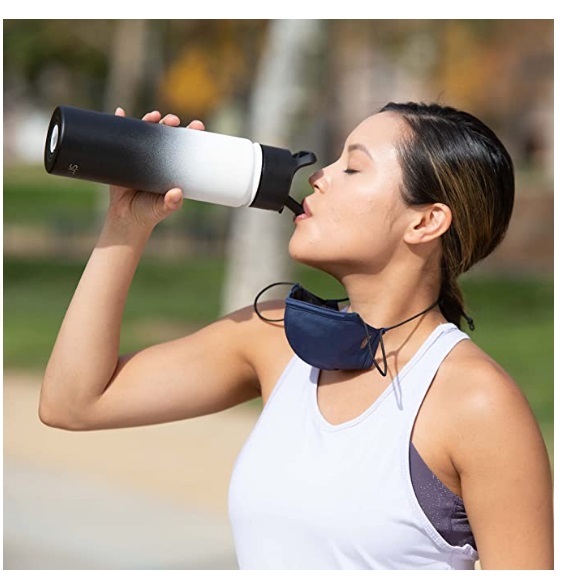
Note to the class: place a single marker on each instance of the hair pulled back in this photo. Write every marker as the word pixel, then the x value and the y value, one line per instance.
pixel 451 157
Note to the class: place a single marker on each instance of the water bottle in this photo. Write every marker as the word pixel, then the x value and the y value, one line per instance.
pixel 133 153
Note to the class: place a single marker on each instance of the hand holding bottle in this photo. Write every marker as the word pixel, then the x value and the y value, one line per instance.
pixel 142 207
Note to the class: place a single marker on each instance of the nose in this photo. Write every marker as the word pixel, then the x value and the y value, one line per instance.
pixel 318 181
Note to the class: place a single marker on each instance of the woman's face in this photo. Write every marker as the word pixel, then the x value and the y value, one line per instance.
pixel 355 217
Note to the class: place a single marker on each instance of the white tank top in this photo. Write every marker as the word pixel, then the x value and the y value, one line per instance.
pixel 307 494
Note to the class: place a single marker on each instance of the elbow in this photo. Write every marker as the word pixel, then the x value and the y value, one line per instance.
pixel 60 417
pixel 50 418
pixel 54 419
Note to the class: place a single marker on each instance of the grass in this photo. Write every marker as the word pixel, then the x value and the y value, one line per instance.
pixel 514 318
pixel 163 298
pixel 33 198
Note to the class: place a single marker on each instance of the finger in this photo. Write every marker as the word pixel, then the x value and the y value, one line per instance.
pixel 119 112
pixel 170 120
pixel 196 125
pixel 173 199
pixel 153 116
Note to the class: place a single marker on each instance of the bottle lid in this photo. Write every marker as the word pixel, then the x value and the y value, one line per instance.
pixel 278 169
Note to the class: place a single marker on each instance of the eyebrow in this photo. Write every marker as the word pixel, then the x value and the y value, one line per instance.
pixel 359 147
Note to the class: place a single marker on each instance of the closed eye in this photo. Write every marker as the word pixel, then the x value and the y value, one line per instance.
pixel 350 171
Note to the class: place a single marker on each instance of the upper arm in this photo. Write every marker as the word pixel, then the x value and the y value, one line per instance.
pixel 204 372
pixel 505 474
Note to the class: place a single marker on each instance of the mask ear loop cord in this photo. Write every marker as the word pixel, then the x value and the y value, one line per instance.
pixel 263 291
pixel 372 352
pixel 273 285
pixel 382 331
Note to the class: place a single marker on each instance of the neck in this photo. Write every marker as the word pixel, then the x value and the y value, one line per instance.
pixel 384 301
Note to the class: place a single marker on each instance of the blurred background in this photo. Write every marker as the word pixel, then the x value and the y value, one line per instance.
pixel 156 497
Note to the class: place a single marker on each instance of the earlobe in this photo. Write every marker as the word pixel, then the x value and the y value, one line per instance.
pixel 431 222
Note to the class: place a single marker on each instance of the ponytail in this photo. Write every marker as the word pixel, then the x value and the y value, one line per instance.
pixel 451 301
pixel 450 156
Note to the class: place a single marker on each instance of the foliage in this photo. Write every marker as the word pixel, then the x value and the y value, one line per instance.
pixel 192 66
pixel 48 57
pixel 498 68
pixel 212 67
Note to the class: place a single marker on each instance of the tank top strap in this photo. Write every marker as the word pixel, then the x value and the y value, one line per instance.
pixel 412 384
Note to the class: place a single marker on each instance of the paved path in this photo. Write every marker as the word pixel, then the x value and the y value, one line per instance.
pixel 141 498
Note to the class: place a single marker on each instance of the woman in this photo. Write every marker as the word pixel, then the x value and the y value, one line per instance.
pixel 388 439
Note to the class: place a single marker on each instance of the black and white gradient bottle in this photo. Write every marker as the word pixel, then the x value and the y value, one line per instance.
pixel 209 167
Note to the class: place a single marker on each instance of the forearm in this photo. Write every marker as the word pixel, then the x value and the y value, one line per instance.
pixel 85 353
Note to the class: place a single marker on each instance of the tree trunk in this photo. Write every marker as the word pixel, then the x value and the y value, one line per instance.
pixel 127 59
pixel 257 246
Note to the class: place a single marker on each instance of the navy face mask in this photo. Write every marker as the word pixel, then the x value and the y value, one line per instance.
pixel 327 338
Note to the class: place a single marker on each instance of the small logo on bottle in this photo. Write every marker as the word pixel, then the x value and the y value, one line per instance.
pixel 73 168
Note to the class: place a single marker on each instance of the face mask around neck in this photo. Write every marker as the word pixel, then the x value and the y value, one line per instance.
pixel 328 338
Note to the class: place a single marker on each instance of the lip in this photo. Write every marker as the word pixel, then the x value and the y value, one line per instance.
pixel 306 211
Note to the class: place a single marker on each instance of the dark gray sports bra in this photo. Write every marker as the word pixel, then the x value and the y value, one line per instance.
pixel 445 510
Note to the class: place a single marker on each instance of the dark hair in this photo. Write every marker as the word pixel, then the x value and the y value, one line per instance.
pixel 449 156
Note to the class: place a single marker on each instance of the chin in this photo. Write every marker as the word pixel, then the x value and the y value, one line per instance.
pixel 308 256
pixel 302 253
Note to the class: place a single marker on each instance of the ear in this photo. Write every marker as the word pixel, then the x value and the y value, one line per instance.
pixel 428 223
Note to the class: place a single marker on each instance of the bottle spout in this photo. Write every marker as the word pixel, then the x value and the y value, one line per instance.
pixel 304 158
pixel 294 206
pixel 301 159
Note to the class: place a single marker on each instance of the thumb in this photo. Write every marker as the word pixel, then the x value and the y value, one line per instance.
pixel 173 200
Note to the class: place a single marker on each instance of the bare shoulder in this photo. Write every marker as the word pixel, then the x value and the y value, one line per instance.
pixel 487 409
pixel 477 388
pixel 482 383
pixel 496 447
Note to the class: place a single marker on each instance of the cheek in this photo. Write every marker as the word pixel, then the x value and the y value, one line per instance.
pixel 350 224
pixel 379 204
pixel 362 217
pixel 338 239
